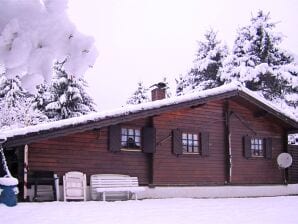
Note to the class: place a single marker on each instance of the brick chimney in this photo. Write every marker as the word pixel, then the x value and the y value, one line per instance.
pixel 159 91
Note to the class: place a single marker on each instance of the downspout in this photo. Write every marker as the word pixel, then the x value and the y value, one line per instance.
pixel 228 145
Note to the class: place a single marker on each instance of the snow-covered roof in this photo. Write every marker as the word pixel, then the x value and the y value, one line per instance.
pixel 134 109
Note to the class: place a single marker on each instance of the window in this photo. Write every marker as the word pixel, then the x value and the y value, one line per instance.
pixel 190 143
pixel 257 147
pixel 130 138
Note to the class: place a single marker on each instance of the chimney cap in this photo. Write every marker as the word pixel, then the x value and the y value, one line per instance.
pixel 160 85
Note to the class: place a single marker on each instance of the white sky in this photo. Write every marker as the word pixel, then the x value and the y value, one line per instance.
pixel 146 40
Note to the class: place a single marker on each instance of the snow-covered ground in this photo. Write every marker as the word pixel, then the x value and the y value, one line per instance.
pixel 154 211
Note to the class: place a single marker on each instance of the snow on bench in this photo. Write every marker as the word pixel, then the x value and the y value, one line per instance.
pixel 102 183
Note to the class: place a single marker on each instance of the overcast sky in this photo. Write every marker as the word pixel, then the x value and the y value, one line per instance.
pixel 146 40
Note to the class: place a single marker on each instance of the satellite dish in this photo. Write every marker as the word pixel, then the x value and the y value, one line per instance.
pixel 284 160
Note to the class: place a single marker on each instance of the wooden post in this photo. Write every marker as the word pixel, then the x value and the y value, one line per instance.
pixel 150 159
pixel 20 175
pixel 228 146
pixel 25 172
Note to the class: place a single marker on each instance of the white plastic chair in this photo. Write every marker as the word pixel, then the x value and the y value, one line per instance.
pixel 74 186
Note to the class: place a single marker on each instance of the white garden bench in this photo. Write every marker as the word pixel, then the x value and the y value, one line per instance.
pixel 103 183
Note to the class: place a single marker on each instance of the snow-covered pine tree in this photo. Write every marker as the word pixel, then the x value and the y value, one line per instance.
pixel 88 104
pixel 14 103
pixel 41 98
pixel 204 75
pixel 67 96
pixel 139 96
pixel 259 63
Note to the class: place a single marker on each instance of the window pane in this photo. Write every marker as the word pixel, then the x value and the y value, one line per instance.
pixel 137 139
pixel 195 143
pixel 189 136
pixel 260 141
pixel 188 148
pixel 196 149
pixel 130 132
pixel 123 131
pixel 123 138
pixel 184 136
pixel 184 142
pixel 137 132
pixel 195 137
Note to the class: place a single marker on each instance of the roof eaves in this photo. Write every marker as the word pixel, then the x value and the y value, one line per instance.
pixel 266 107
pixel 110 120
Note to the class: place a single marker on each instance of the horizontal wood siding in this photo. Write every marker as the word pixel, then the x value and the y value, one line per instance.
pixel 254 170
pixel 170 169
pixel 293 169
pixel 88 152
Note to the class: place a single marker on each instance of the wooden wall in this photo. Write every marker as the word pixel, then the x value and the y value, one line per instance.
pixel 254 170
pixel 87 152
pixel 293 169
pixel 170 169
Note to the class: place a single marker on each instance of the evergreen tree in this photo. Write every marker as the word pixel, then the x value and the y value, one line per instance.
pixel 42 98
pixel 139 96
pixel 259 63
pixel 66 97
pixel 204 74
pixel 15 102
pixel 12 102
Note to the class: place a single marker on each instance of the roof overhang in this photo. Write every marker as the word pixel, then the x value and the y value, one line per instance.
pixel 47 130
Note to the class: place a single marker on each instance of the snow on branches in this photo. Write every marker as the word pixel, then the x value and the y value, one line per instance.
pixel 259 63
pixel 36 33
pixel 139 96
pixel 65 97
pixel 204 75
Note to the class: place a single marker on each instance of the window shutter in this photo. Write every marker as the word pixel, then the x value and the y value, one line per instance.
pixel 268 148
pixel 205 144
pixel 247 147
pixel 177 142
pixel 148 143
pixel 115 138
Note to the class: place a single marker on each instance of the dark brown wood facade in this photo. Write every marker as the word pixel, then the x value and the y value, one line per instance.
pixel 88 151
pixel 245 122
pixel 293 170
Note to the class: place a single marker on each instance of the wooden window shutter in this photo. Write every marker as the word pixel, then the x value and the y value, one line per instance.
pixel 268 148
pixel 205 144
pixel 177 142
pixel 148 138
pixel 247 147
pixel 115 138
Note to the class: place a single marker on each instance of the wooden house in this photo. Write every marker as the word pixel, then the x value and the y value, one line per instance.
pixel 219 137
